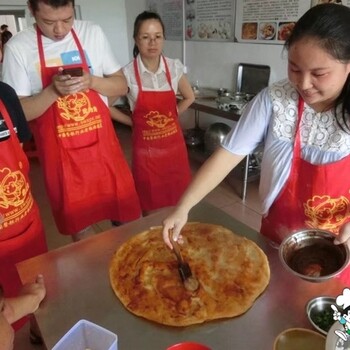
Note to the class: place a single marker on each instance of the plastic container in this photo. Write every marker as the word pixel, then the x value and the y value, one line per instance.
pixel 188 346
pixel 87 335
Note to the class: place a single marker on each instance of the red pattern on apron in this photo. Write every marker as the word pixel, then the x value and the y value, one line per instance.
pixel 21 233
pixel 86 175
pixel 160 161
pixel 314 196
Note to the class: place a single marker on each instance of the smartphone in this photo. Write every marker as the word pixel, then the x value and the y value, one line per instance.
pixel 73 72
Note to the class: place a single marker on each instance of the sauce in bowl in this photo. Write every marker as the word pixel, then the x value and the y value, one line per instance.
pixel 319 259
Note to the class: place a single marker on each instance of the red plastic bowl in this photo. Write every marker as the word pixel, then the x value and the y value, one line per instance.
pixel 188 346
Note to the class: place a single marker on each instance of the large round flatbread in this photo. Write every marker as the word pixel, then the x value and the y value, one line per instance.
pixel 232 272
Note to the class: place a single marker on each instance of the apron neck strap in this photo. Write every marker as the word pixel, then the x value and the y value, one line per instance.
pixel 42 54
pixel 297 140
pixel 80 48
pixel 167 72
pixel 138 78
pixel 7 119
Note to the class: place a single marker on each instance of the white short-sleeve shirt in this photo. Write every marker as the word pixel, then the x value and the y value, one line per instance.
pixel 271 119
pixel 152 81
pixel 21 68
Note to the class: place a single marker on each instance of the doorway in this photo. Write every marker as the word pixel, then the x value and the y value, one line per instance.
pixel 15 20
pixel 15 16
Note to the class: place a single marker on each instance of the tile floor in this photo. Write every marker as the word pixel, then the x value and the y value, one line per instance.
pixel 226 196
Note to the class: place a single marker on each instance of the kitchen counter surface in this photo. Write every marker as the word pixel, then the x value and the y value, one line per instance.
pixel 78 288
pixel 205 101
pixel 209 106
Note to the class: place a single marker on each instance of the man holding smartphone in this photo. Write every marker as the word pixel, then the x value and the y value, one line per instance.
pixel 86 176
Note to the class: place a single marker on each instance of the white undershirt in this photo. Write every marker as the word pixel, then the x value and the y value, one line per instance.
pixel 152 81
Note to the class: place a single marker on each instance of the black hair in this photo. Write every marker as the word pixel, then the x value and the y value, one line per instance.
pixel 5 37
pixel 144 16
pixel 34 4
pixel 4 27
pixel 329 24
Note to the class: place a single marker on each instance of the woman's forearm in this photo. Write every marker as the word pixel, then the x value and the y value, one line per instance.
pixel 184 104
pixel 187 93
pixel 120 117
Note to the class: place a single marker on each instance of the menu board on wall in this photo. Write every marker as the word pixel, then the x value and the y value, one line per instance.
pixel 205 20
pixel 271 21
pixel 209 20
pixel 340 2
pixel 267 21
pixel 171 14
pixel 245 21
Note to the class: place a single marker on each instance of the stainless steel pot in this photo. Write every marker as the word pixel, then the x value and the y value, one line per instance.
pixel 214 136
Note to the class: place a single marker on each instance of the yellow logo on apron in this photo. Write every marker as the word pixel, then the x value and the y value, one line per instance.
pixel 327 213
pixel 78 115
pixel 162 126
pixel 15 197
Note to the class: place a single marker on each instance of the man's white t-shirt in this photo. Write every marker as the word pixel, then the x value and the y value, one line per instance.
pixel 21 68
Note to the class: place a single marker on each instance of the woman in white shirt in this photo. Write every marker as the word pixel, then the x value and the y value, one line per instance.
pixel 159 158
pixel 305 125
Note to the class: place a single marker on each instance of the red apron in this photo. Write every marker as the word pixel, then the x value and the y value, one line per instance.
pixel 160 161
pixel 311 198
pixel 21 233
pixel 86 175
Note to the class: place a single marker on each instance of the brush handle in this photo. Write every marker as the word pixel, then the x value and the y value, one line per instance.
pixel 176 248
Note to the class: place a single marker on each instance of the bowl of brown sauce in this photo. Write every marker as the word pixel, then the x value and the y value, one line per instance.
pixel 312 255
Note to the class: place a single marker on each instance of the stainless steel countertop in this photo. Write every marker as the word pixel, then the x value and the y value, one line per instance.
pixel 209 105
pixel 205 101
pixel 78 288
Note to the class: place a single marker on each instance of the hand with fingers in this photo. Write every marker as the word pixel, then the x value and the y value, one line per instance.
pixel 66 84
pixel 174 223
pixel 26 302
pixel 35 292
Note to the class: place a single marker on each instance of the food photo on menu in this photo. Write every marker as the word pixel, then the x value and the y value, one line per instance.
pixel 190 33
pixel 214 30
pixel 285 30
pixel 267 31
pixel 250 31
